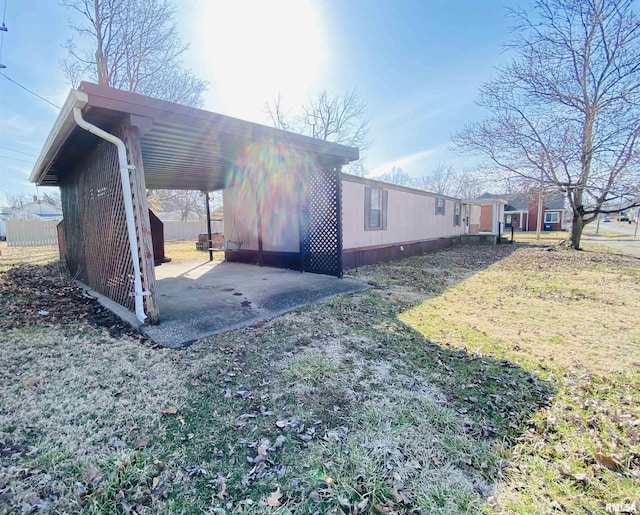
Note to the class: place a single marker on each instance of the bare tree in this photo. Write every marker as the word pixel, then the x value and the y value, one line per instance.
pixel 186 202
pixel 131 45
pixel 565 113
pixel 443 179
pixel 469 184
pixel 52 198
pixel 339 119
pixel 397 176
pixel 17 199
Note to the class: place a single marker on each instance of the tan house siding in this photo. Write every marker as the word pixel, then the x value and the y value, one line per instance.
pixel 281 220
pixel 240 216
pixel 410 216
pixel 279 216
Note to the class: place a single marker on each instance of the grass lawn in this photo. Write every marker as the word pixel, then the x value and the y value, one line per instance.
pixel 475 380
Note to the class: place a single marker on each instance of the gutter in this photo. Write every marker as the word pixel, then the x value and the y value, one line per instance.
pixel 128 206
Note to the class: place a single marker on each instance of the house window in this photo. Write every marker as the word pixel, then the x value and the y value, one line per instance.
pixel 439 206
pixel 375 216
pixel 456 213
pixel 375 208
pixel 551 218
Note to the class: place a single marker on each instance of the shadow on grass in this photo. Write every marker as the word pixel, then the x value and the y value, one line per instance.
pixel 489 401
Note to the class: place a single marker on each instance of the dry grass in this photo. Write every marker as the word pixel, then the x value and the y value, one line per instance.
pixel 472 380
pixel 547 305
pixel 186 251
pixel 553 237
pixel 14 256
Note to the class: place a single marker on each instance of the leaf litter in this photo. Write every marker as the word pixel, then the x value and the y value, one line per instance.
pixel 322 407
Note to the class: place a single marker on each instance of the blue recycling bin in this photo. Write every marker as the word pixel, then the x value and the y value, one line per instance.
pixel 547 227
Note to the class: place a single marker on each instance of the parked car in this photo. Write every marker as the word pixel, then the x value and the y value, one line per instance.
pixel 623 216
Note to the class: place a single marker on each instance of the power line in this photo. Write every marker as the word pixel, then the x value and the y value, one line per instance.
pixel 21 160
pixel 17 151
pixel 29 91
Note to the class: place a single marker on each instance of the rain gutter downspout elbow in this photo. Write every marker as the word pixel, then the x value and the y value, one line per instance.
pixel 128 206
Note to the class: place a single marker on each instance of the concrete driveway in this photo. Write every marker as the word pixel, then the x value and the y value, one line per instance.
pixel 201 299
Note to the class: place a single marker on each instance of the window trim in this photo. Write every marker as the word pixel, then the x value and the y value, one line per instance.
pixel 368 210
pixel 457 214
pixel 555 213
pixel 441 209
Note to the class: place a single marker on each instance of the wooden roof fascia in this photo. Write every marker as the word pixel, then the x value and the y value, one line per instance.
pixel 62 128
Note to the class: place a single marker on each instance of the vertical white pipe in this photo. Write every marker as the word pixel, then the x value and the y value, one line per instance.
pixel 128 206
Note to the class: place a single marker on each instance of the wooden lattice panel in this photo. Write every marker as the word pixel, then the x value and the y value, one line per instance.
pixel 96 228
pixel 321 244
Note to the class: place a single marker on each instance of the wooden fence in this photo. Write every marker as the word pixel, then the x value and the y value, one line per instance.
pixel 176 231
pixel 31 233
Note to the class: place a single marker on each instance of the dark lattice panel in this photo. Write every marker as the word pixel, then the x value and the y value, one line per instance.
pixel 95 226
pixel 321 224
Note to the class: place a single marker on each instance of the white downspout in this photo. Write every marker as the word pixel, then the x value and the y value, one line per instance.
pixel 128 206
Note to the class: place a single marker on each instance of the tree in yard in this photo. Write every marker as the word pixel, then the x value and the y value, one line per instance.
pixel 339 119
pixel 131 45
pixel 443 180
pixel 469 184
pixel 565 113
pixel 397 176
pixel 188 203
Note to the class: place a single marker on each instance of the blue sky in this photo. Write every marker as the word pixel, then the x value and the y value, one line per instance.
pixel 417 65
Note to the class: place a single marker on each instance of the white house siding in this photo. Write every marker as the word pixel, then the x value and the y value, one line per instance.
pixel 410 216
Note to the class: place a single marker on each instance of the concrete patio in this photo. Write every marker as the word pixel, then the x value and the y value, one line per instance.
pixel 199 299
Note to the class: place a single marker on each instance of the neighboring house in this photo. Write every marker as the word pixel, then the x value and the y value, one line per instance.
pixel 36 211
pixel 521 210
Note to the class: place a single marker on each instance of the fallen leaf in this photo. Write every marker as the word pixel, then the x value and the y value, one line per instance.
pixel 154 483
pixel 274 499
pixel 92 475
pixel 171 410
pixel 142 443
pixel 279 442
pixel 608 461
pixel 281 423
pixel 158 464
pixel 32 384
pixel 222 488
pixel 581 477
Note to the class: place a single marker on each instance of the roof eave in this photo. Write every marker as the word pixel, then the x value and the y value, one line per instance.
pixel 59 133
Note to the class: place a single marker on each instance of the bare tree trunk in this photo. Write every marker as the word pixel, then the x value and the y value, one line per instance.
pixel 577 225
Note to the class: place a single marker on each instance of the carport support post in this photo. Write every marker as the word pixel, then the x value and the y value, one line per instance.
pixel 131 139
pixel 206 199
pixel 339 221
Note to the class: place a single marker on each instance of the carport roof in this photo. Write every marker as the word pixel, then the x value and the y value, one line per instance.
pixel 182 147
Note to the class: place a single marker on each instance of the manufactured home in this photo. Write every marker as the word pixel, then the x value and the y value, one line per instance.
pixel 286 201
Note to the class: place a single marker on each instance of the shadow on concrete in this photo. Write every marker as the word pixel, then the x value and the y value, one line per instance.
pixel 202 299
